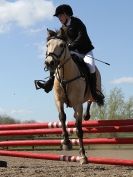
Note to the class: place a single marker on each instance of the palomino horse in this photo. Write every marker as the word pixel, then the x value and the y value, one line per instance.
pixel 69 86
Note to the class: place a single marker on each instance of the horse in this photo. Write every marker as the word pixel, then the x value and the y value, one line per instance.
pixel 69 87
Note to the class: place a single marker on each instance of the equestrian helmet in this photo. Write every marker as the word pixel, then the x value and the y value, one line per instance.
pixel 64 8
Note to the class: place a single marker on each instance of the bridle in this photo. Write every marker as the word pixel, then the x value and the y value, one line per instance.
pixel 55 56
pixel 60 78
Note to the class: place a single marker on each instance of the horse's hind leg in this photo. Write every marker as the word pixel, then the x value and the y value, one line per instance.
pixel 62 117
pixel 78 115
pixel 86 115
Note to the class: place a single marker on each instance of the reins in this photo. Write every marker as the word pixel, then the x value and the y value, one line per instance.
pixel 64 82
pixel 60 78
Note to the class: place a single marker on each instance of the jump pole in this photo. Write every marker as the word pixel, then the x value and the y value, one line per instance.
pixel 70 124
pixel 60 142
pixel 107 161
pixel 70 130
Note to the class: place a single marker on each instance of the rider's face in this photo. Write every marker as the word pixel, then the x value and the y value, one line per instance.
pixel 62 18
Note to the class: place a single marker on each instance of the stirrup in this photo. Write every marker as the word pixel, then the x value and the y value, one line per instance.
pixel 36 85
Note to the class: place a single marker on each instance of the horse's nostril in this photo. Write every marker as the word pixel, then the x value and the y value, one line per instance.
pixel 52 63
pixel 46 63
pixel 49 63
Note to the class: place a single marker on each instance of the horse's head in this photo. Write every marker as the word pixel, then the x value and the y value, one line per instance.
pixel 56 49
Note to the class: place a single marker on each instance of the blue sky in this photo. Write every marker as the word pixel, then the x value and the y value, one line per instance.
pixel 23 25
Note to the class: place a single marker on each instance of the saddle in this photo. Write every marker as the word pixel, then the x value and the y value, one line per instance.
pixel 83 68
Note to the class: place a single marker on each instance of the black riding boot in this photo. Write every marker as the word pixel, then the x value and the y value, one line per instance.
pixel 48 85
pixel 96 94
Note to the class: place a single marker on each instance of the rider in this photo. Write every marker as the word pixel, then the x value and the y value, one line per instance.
pixel 79 44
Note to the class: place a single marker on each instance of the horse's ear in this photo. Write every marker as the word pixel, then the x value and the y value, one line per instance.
pixel 50 33
pixel 62 33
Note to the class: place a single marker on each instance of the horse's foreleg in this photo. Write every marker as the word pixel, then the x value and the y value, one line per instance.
pixel 78 116
pixel 62 117
pixel 86 115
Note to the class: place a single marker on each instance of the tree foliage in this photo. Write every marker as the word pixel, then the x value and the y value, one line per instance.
pixel 115 107
pixel 5 119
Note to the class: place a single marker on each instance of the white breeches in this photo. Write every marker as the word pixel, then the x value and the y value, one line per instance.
pixel 88 59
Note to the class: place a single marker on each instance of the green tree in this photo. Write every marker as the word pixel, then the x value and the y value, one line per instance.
pixel 99 112
pixel 115 107
pixel 128 109
pixel 115 104
pixel 5 119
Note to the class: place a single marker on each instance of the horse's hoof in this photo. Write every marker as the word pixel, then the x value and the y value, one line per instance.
pixel 86 117
pixel 83 160
pixel 67 147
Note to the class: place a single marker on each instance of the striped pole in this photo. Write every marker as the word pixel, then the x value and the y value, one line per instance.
pixel 107 161
pixel 70 124
pixel 60 142
pixel 70 130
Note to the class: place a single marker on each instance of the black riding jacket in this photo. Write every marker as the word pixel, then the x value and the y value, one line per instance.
pixel 77 36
